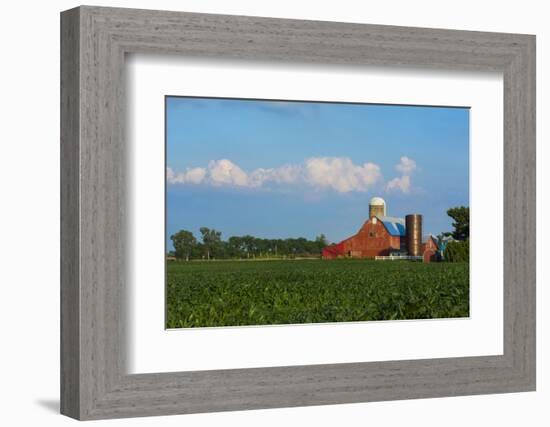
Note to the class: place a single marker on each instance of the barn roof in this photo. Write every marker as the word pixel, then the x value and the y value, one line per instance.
pixel 394 225
pixel 428 236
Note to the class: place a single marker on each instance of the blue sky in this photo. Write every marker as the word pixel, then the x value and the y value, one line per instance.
pixel 298 169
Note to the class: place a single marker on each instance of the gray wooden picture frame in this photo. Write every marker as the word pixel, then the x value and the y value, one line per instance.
pixel 94 382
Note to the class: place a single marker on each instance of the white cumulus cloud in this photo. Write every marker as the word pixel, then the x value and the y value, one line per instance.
pixel 189 176
pixel 338 174
pixel 226 172
pixel 341 174
pixel 286 174
pixel 402 184
pixel 406 166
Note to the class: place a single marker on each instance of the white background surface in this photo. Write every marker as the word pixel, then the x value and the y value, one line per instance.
pixel 153 349
pixel 29 212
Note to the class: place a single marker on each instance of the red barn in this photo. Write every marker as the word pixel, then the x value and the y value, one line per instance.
pixel 377 236
pixel 383 235
pixel 429 242
pixel 430 248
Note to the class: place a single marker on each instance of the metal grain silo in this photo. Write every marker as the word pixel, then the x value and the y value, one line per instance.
pixel 413 224
pixel 377 207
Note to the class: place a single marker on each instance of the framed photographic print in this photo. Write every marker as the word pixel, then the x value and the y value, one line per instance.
pixel 262 213
pixel 310 168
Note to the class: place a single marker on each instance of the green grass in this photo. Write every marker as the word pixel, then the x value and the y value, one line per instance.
pixel 232 293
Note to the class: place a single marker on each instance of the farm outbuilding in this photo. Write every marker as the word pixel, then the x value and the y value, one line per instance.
pixel 383 235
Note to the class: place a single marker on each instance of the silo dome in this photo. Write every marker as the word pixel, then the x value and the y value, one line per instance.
pixel 377 201
pixel 377 207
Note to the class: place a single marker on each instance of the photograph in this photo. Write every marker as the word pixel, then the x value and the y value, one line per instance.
pixel 301 212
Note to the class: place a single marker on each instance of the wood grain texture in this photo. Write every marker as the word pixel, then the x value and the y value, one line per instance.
pixel 94 382
pixel 70 315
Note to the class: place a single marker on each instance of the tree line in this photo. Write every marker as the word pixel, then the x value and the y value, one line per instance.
pixel 459 249
pixel 210 245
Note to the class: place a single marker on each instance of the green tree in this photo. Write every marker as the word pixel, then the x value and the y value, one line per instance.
pixel 321 242
pixel 211 240
pixel 457 251
pixel 184 242
pixel 461 224
pixel 249 245
pixel 235 246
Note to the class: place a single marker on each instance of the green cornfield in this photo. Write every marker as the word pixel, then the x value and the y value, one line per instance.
pixel 236 293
